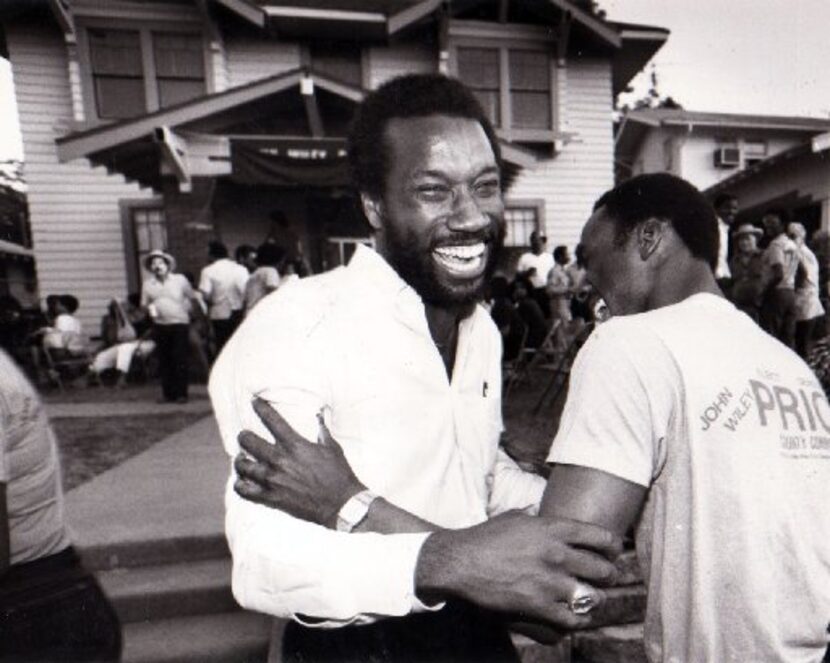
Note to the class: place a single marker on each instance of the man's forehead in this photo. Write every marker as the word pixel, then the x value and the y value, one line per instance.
pixel 437 135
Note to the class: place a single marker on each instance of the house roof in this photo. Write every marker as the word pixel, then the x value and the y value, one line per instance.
pixel 816 145
pixel 636 123
pixel 132 147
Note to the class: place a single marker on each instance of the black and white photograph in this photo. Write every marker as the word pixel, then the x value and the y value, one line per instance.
pixel 415 331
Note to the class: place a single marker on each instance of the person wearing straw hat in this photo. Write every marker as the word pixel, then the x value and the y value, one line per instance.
pixel 167 297
pixel 747 269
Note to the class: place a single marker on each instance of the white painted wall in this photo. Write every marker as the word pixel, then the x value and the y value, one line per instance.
pixel 75 218
pixel 572 181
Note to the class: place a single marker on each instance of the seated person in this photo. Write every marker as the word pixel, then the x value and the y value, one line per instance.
pixel 65 337
pixel 125 331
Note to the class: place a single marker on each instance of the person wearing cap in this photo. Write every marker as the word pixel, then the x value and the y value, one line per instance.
pixel 536 265
pixel 747 269
pixel 168 298
pixel 808 308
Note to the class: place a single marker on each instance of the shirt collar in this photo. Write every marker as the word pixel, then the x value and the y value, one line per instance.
pixel 372 269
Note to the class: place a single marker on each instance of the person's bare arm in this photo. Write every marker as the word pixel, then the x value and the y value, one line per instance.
pixel 5 546
pixel 592 496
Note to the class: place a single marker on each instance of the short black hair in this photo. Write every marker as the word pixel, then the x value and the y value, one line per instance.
pixel 782 214
pixel 269 255
pixel 665 196
pixel 69 302
pixel 560 252
pixel 409 96
pixel 723 198
pixel 243 251
pixel 217 249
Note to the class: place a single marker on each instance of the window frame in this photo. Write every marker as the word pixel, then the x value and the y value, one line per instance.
pixel 536 204
pixel 145 30
pixel 516 38
pixel 127 208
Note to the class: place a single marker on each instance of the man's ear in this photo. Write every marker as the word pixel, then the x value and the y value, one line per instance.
pixel 649 236
pixel 373 210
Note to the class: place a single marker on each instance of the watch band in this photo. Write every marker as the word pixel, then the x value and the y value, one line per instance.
pixel 354 511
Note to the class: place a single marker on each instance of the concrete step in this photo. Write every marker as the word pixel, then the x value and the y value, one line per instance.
pixel 154 551
pixel 163 592
pixel 610 644
pixel 239 637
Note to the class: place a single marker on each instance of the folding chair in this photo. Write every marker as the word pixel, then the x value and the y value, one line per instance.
pixel 60 366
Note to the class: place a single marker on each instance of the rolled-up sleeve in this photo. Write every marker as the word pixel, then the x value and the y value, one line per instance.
pixel 282 565
pixel 514 488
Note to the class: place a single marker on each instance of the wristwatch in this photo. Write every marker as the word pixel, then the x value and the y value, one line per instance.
pixel 354 511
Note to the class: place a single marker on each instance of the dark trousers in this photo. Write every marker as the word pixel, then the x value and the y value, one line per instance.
pixel 459 633
pixel 543 299
pixel 224 329
pixel 52 609
pixel 778 315
pixel 173 347
pixel 805 332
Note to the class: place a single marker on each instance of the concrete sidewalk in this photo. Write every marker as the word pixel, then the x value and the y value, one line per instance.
pixel 173 492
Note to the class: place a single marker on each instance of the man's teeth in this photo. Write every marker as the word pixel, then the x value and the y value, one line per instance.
pixel 461 252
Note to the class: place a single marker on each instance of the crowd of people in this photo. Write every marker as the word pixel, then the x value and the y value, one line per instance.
pixel 405 532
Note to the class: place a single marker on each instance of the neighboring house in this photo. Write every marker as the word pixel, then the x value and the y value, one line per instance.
pixel 704 148
pixel 166 123
pixel 17 269
pixel 797 179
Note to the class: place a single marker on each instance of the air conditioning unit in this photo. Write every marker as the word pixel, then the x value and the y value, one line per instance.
pixel 727 157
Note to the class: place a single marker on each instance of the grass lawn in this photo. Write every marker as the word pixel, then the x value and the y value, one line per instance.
pixel 91 445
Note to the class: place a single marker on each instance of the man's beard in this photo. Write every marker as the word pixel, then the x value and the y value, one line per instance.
pixel 414 263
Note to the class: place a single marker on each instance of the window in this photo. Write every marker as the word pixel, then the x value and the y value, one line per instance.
pixel 149 231
pixel 180 67
pixel 753 151
pixel 339 250
pixel 136 71
pixel 520 220
pixel 115 58
pixel 479 69
pixel 530 89
pixel 341 61
pixel 515 87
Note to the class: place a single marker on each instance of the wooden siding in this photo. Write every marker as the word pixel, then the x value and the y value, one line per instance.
pixel 249 59
pixel 75 217
pixel 583 170
pixel 386 63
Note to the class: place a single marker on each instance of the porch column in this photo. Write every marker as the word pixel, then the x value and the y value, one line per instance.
pixel 190 223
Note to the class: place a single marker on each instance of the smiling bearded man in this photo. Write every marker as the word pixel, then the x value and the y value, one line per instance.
pixel 406 368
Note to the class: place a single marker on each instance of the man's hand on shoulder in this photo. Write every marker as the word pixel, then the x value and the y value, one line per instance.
pixel 533 567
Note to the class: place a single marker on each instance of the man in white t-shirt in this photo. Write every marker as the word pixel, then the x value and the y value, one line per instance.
pixel 686 419
pixel 778 306
pixel 222 283
pixel 536 265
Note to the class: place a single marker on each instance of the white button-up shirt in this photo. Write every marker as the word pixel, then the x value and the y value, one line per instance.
pixel 222 283
pixel 355 344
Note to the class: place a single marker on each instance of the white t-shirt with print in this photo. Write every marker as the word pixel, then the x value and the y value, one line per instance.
pixel 730 431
